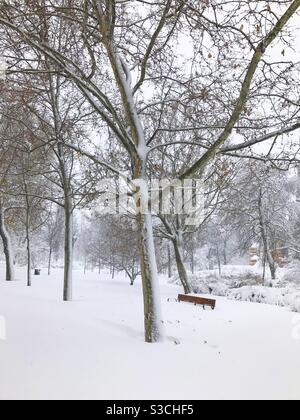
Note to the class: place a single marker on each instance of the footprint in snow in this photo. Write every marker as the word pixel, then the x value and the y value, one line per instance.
pixel 174 340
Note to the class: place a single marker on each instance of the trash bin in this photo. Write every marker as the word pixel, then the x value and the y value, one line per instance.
pixel 37 272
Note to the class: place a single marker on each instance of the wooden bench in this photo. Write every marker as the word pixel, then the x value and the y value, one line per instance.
pixel 197 300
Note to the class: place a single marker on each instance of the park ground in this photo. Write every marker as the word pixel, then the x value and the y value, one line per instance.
pixel 92 348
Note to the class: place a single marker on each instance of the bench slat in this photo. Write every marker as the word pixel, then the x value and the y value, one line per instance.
pixel 197 300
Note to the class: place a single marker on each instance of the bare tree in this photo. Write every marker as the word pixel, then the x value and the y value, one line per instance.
pixel 54 233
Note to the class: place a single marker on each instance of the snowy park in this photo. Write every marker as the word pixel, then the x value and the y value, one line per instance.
pixel 93 347
pixel 150 202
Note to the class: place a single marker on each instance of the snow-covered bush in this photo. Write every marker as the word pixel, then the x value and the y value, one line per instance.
pixel 210 282
pixel 245 284
pixel 205 284
pixel 258 294
pixel 285 297
pixel 291 274
pixel 293 302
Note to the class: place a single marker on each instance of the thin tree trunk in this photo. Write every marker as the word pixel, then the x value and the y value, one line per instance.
pixel 7 248
pixel 169 263
pixel 68 263
pixel 264 268
pixel 27 227
pixel 132 276
pixel 181 268
pixel 28 247
pixel 272 266
pixel 99 262
pixel 28 242
pixel 193 260
pixel 264 234
pixel 50 261
pixel 219 262
pixel 85 264
pixel 113 268
pixel 225 252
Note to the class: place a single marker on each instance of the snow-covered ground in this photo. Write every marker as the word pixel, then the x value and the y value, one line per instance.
pixel 93 347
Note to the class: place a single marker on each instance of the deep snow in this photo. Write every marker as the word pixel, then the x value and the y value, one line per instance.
pixel 93 347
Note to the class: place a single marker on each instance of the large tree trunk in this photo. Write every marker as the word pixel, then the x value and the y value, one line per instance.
pixel 7 248
pixel 181 268
pixel 152 310
pixel 152 302
pixel 68 257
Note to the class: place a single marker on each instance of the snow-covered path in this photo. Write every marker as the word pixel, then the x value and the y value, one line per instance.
pixel 93 347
